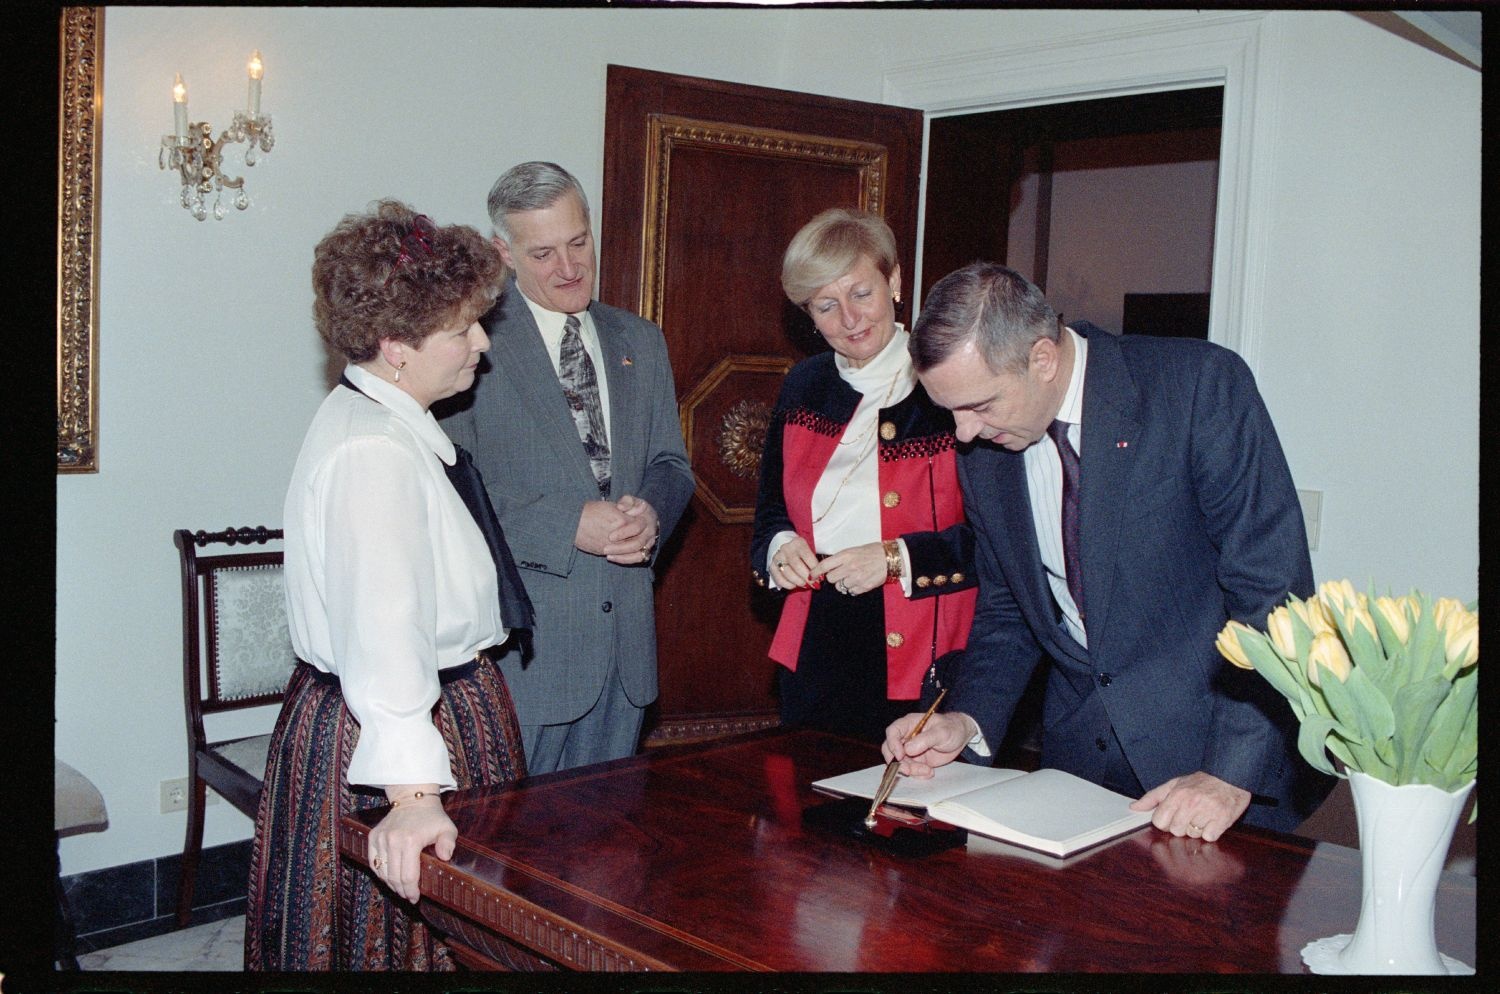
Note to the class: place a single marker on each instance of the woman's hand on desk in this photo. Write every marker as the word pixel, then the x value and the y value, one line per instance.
pixel 855 570
pixel 937 744
pixel 414 823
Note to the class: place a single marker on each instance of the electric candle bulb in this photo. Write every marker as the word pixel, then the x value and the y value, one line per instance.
pixel 257 70
pixel 179 108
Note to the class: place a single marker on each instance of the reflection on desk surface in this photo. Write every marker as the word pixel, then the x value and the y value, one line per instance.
pixel 696 859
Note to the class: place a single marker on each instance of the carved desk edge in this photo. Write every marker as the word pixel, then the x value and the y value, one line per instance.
pixel 545 939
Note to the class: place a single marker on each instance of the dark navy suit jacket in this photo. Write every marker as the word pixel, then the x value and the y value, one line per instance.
pixel 1188 517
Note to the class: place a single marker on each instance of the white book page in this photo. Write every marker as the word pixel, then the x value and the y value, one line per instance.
pixel 1052 805
pixel 947 781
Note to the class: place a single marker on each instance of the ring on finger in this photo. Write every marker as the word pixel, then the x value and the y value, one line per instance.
pixel 377 863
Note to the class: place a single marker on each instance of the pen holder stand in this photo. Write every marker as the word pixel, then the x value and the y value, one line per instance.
pixel 895 831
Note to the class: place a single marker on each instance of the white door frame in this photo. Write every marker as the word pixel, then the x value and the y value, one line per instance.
pixel 1228 50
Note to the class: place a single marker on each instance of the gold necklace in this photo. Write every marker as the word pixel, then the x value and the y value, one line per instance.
pixel 868 433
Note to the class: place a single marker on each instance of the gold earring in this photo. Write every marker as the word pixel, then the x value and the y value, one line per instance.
pixel 896 296
pixel 399 369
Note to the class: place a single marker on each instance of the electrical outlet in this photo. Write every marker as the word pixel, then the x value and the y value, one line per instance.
pixel 174 795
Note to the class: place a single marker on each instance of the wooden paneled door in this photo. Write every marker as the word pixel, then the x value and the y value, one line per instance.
pixel 705 182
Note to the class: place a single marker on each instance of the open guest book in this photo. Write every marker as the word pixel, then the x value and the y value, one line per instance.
pixel 1047 810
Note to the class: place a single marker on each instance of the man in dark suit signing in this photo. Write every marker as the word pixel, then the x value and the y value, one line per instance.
pixel 1128 496
pixel 575 430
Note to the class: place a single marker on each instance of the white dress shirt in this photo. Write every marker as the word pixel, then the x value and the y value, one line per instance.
pixel 1044 484
pixel 846 501
pixel 388 578
pixel 550 324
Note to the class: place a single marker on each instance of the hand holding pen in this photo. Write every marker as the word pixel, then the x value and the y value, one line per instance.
pixel 888 781
pixel 922 743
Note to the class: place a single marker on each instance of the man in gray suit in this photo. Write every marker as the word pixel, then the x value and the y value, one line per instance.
pixel 575 429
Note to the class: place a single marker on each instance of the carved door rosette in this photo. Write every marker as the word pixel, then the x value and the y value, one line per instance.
pixel 724 422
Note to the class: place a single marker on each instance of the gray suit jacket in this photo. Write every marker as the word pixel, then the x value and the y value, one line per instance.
pixel 516 424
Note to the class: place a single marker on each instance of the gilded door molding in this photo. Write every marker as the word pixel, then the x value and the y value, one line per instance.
pixel 81 101
pixel 667 133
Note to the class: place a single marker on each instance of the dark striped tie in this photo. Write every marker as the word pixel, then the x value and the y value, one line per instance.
pixel 1059 432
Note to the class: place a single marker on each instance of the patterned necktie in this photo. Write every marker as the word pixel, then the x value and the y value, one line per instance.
pixel 581 390
pixel 1059 432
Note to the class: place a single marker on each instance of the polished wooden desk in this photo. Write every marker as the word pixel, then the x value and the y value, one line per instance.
pixel 696 859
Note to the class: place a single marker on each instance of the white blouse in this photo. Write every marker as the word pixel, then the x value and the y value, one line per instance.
pixel 388 578
pixel 846 500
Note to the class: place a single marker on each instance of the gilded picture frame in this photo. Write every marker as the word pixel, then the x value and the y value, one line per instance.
pixel 79 117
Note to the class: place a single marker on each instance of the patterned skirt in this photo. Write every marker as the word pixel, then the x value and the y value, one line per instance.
pixel 308 909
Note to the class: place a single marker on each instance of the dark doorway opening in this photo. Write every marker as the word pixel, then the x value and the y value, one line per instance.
pixel 1098 202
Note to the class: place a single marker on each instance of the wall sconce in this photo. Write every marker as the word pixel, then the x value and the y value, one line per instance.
pixel 194 153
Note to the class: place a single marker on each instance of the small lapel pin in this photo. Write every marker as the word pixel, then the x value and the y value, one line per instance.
pixel 627 361
pixel 1122 445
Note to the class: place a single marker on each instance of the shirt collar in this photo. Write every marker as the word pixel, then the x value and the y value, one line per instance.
pixel 404 406
pixel 550 322
pixel 1072 405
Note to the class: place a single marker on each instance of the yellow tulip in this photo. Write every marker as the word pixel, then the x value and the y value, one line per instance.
pixel 1444 608
pixel 1314 615
pixel 1359 614
pixel 1461 639
pixel 1279 627
pixel 1328 652
pixel 1337 593
pixel 1394 613
pixel 1228 644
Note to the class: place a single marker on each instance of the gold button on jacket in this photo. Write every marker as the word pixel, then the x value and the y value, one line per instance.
pixel 887 430
pixel 891 498
pixel 895 640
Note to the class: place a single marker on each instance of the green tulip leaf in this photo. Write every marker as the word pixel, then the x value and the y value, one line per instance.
pixel 1419 736
pixel 1269 664
pixel 1451 713
pixel 1312 742
pixel 1425 655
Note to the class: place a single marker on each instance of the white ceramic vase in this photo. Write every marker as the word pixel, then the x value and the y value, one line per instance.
pixel 1404 834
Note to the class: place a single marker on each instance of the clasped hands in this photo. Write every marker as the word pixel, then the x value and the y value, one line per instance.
pixel 854 570
pixel 623 531
pixel 1197 805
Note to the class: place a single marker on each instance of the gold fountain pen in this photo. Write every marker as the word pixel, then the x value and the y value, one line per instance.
pixel 892 769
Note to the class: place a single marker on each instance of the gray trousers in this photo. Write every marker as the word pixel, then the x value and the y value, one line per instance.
pixel 611 729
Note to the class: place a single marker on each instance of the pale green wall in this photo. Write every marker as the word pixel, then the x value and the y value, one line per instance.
pixel 210 368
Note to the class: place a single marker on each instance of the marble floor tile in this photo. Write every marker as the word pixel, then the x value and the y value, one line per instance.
pixel 216 945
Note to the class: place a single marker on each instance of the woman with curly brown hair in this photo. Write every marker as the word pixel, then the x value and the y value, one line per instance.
pixel 398 581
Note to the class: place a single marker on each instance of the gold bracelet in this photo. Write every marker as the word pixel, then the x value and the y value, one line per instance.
pixel 416 796
pixel 893 566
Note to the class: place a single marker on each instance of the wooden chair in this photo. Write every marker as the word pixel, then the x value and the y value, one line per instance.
pixel 77 806
pixel 236 653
